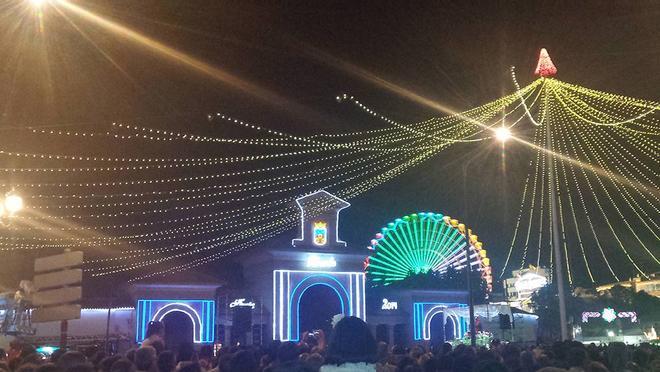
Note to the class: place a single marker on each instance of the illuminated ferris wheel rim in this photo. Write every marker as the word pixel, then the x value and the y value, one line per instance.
pixel 439 244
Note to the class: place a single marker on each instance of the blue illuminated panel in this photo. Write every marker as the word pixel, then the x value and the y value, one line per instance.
pixel 200 312
pixel 424 311
pixel 290 285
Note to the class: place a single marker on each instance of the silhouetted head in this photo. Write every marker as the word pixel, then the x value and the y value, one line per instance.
pixel 186 352
pixel 166 361
pixel 243 361
pixel 69 359
pixel 122 365
pixel 287 351
pixel 155 328
pixel 145 357
pixel 351 342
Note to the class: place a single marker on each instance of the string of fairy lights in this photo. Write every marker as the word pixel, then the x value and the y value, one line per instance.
pixel 603 151
pixel 126 195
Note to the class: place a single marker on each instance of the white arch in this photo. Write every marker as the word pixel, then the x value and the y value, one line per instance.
pixel 426 330
pixel 197 327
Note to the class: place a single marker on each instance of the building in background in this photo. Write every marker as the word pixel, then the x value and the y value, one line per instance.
pixel 289 289
pixel 650 286
pixel 518 289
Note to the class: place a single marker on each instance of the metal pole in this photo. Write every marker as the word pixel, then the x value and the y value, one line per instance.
pixel 64 329
pixel 555 239
pixel 107 330
pixel 468 270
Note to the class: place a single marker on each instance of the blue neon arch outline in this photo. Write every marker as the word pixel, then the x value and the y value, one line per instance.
pixel 206 312
pixel 187 309
pixel 421 317
pixel 303 292
pixel 293 297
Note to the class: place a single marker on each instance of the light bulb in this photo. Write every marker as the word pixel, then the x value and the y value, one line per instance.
pixel 13 203
pixel 502 134
pixel 37 3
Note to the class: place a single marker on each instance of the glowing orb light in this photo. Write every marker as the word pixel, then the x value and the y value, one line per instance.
pixel 502 134
pixel 37 3
pixel 13 203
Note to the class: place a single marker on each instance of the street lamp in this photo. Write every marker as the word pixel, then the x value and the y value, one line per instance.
pixel 37 3
pixel 10 205
pixel 13 203
pixel 502 134
pixel 470 239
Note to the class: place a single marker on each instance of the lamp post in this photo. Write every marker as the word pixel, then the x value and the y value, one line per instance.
pixel 502 134
pixel 10 205
pixel 468 270
pixel 554 238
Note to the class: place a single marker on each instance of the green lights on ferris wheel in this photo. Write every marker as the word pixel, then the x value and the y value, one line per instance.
pixel 420 243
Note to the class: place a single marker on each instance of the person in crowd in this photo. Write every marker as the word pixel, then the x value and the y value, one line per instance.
pixel 189 366
pixel 86 367
pixel 223 362
pixel 155 336
pixel 314 361
pixel 205 358
pixel 243 361
pixel 166 361
pixel 122 365
pixel 48 367
pixel 384 360
pixel 287 358
pixel 352 347
pixel 106 363
pixel 130 355
pixel 577 359
pixel 145 359
pixel 186 353
pixel 70 359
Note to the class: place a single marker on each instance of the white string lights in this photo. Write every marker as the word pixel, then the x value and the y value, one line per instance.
pixel 604 152
pixel 150 211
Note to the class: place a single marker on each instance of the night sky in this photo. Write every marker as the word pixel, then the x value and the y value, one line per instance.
pixel 76 74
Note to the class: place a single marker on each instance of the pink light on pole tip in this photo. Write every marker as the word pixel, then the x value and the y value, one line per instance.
pixel 545 67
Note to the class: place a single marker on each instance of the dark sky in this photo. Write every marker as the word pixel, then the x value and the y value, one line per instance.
pixel 456 53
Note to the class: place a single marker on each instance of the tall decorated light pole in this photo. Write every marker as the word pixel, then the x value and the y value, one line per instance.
pixel 545 68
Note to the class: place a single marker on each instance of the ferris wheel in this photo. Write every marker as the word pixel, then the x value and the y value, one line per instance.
pixel 424 242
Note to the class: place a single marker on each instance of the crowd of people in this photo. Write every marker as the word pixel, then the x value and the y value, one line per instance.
pixel 350 347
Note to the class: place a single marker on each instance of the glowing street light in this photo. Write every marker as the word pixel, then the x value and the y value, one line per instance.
pixel 37 3
pixel 13 203
pixel 9 206
pixel 502 134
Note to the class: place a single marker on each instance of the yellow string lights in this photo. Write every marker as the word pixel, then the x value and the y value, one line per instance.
pixel 144 210
pixel 603 149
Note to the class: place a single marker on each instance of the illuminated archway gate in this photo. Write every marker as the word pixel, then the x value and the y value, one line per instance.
pixel 423 312
pixel 290 285
pixel 200 312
